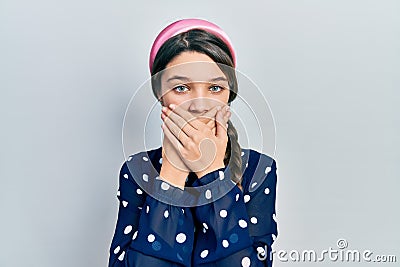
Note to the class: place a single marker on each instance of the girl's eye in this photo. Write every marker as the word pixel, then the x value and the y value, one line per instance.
pixel 180 89
pixel 183 89
pixel 216 88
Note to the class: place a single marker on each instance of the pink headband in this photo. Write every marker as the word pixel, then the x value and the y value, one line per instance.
pixel 186 25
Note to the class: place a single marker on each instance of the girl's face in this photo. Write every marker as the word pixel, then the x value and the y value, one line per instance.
pixel 194 81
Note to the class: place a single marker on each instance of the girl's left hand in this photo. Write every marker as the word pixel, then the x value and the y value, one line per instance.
pixel 202 148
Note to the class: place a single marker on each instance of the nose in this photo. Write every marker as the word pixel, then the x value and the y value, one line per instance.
pixel 199 104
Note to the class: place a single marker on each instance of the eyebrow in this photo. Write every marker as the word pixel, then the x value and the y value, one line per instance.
pixel 183 78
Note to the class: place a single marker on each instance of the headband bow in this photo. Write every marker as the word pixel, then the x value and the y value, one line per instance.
pixel 184 25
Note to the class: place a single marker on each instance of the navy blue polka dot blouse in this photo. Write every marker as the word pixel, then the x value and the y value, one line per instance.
pixel 211 222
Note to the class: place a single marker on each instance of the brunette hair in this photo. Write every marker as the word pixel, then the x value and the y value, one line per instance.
pixel 201 41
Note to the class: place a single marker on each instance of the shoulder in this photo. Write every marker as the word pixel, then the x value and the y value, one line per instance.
pixel 257 167
pixel 254 158
pixel 139 163
pixel 143 157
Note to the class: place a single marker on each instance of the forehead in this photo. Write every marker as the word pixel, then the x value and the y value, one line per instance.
pixel 193 66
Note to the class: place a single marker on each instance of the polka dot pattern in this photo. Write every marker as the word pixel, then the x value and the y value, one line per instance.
pixel 261 251
pixel 180 238
pixel 164 186
pixel 242 223
pixel 266 191
pixel 121 257
pixel 221 175
pixel 267 170
pixel 209 226
pixel 134 235
pixel 128 229
pixel 246 262
pixel 223 213
pixel 208 194
pixel 204 253
pixel 151 238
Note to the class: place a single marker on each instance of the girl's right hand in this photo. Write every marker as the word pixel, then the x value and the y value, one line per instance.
pixel 172 153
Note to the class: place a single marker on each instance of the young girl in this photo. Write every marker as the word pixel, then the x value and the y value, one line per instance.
pixel 199 199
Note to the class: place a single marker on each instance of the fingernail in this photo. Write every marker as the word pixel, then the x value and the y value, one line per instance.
pixel 226 108
pixel 164 109
pixel 172 106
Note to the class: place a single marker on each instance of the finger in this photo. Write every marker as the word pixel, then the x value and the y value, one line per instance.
pixel 185 120
pixel 189 118
pixel 176 131
pixel 227 113
pixel 208 115
pixel 175 115
pixel 226 119
pixel 211 113
pixel 221 125
pixel 169 135
pixel 211 123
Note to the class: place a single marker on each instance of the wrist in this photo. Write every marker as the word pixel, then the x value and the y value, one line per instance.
pixel 173 176
pixel 210 169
